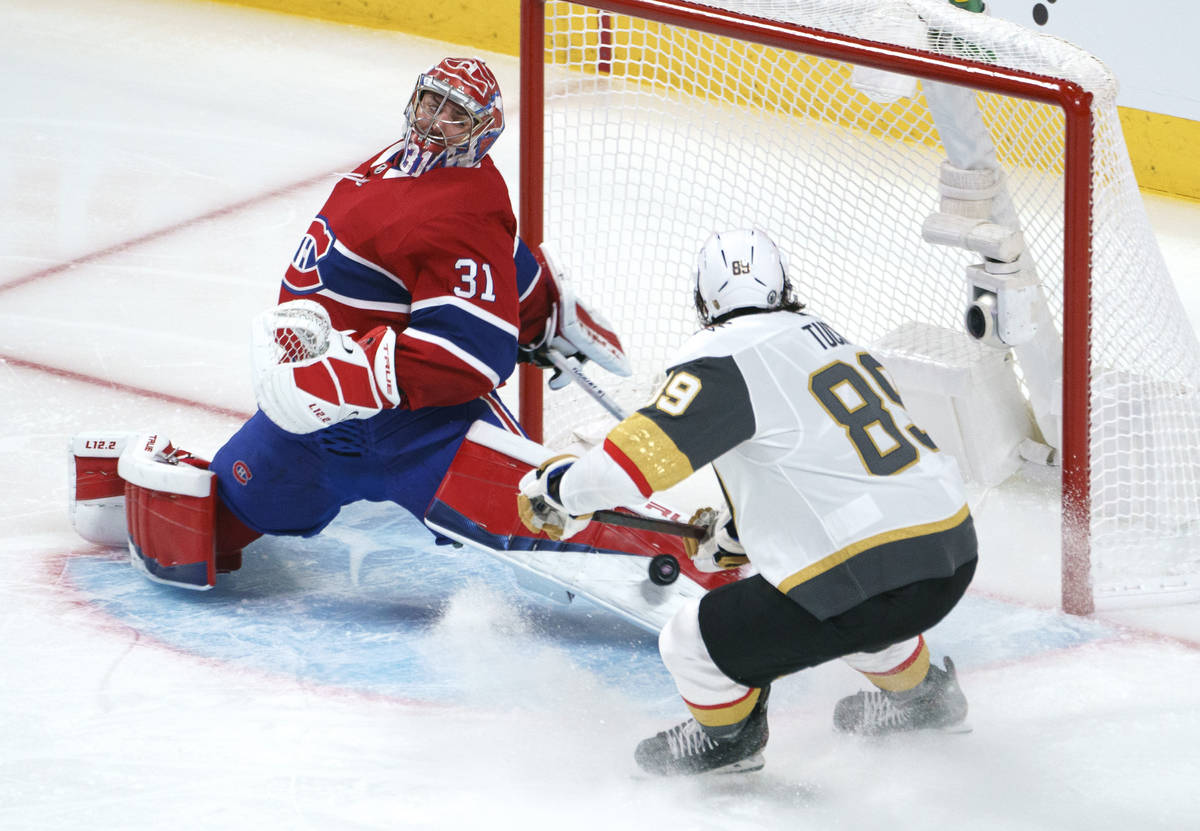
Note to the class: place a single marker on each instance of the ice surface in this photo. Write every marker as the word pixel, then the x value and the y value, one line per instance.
pixel 159 162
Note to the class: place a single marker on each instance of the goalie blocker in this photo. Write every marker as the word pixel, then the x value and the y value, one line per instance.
pixel 141 491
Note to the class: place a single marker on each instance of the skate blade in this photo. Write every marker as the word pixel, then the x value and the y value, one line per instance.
pixel 961 727
pixel 747 765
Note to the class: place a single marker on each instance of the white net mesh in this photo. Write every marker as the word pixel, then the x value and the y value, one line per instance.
pixel 656 135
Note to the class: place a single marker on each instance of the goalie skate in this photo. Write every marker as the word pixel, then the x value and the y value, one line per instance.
pixel 937 703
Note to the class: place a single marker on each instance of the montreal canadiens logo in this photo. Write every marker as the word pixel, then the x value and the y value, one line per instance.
pixel 241 472
pixel 302 275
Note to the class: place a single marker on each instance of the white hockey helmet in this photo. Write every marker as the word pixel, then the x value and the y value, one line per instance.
pixel 741 270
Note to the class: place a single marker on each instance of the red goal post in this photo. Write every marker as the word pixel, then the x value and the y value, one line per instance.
pixel 646 57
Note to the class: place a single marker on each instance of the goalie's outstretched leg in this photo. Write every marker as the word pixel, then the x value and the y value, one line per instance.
pixel 283 483
pixel 160 501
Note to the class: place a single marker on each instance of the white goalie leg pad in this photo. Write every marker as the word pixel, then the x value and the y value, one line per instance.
pixel 699 681
pixel 171 512
pixel 96 492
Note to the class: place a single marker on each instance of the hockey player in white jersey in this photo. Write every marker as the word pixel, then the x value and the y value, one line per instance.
pixel 857 526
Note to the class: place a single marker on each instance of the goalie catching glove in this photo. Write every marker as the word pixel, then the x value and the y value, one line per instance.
pixel 308 376
pixel 538 502
pixel 720 550
pixel 575 331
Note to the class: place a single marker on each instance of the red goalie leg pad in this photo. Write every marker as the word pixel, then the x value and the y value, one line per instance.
pixel 185 540
pixel 96 478
pixel 171 512
pixel 97 493
pixel 477 502
pixel 173 536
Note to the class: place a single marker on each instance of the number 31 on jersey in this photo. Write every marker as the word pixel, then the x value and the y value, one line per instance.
pixel 474 277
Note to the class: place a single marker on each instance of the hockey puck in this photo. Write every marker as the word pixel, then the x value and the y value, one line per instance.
pixel 664 568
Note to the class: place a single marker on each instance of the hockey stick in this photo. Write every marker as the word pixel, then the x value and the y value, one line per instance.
pixel 575 372
pixel 647 523
pixel 686 530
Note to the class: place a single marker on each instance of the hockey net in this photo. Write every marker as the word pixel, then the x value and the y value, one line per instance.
pixel 664 121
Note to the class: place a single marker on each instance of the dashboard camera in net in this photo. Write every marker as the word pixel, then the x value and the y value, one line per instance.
pixel 1000 304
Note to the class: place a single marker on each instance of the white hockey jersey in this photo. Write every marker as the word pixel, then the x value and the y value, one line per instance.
pixel 836 494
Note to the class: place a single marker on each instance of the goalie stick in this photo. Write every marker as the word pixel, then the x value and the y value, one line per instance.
pixel 574 371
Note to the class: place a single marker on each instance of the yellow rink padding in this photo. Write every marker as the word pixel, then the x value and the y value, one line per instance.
pixel 1165 151
pixel 1162 148
pixel 486 24
pixel 698 65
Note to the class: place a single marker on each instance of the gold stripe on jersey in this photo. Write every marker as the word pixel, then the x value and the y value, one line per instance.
pixel 726 715
pixel 838 557
pixel 652 451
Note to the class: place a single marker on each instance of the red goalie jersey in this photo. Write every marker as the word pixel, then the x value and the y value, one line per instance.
pixel 431 256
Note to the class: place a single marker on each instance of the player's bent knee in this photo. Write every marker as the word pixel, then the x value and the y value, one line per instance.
pixel 686 657
pixel 680 643
pixel 171 513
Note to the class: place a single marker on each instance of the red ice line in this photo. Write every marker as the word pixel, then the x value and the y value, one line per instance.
pixel 120 247
pixel 117 385
pixel 127 245
pixel 1121 629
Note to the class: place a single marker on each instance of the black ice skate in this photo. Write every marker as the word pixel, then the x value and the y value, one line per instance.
pixel 687 749
pixel 937 703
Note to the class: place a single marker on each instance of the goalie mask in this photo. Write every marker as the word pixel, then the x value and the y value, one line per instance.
pixel 741 271
pixel 454 116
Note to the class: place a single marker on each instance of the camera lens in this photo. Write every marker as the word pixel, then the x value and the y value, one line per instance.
pixel 981 317
pixel 976 321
